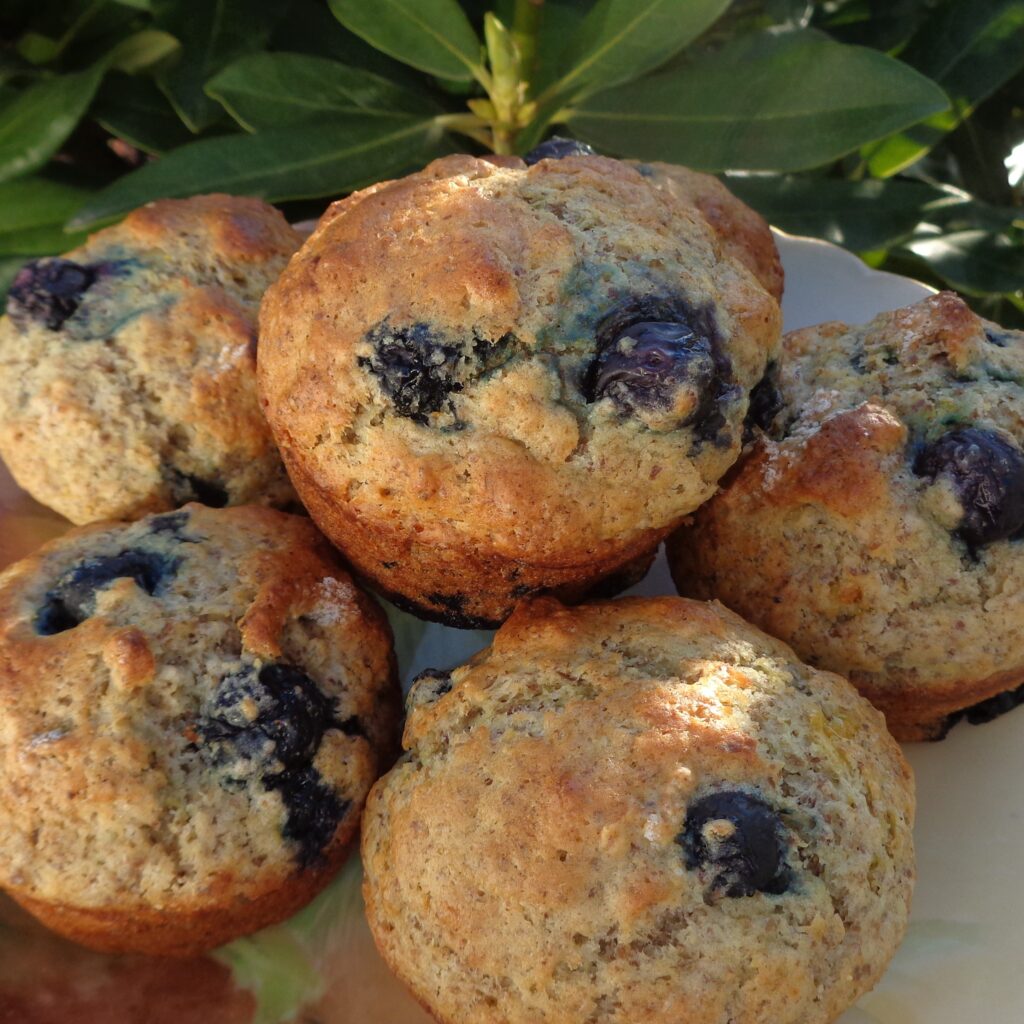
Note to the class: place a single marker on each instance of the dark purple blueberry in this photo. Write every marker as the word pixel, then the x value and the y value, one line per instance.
pixel 414 369
pixel 313 811
pixel 292 714
pixel 419 372
pixel 72 599
pixel 765 403
pixel 48 291
pixel 986 471
pixel 277 718
pixel 556 148
pixel 737 842
pixel 650 349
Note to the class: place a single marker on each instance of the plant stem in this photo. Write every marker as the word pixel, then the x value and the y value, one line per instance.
pixel 469 125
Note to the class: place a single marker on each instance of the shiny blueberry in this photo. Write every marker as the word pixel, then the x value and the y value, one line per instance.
pixel 986 471
pixel 72 599
pixel 737 842
pixel 650 350
pixel 48 291
pixel 556 148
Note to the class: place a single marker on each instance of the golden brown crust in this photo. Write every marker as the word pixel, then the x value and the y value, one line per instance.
pixel 744 233
pixel 828 537
pixel 150 385
pixel 135 821
pixel 513 470
pixel 524 862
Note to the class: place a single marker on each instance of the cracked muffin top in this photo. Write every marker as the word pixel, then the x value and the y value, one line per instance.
pixel 195 706
pixel 127 366
pixel 639 810
pixel 878 526
pixel 540 363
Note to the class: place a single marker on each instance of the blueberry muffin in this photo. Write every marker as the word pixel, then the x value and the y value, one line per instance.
pixel 877 524
pixel 488 379
pixel 127 367
pixel 195 706
pixel 642 810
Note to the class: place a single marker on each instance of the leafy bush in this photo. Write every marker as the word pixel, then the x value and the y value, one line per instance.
pixel 882 125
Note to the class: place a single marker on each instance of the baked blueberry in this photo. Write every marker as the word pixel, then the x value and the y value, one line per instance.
pixel 986 470
pixel 279 713
pixel 49 291
pixel 72 599
pixel 736 840
pixel 556 148
pixel 430 685
pixel 313 811
pixel 654 353
pixel 415 370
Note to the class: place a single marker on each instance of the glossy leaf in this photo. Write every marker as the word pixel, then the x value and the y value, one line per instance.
pixel 264 90
pixel 432 35
pixel 142 50
pixel 213 34
pixel 860 215
pixel 35 125
pixel 764 102
pixel 620 40
pixel 970 49
pixel 977 262
pixel 135 110
pixel 299 162
pixel 32 216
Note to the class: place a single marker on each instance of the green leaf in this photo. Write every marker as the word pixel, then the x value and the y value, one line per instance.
pixel 32 216
pixel 135 110
pixel 622 39
pixel 764 102
pixel 35 125
pixel 432 35
pixel 299 162
pixel 265 90
pixel 860 215
pixel 970 49
pixel 142 50
pixel 977 262
pixel 213 34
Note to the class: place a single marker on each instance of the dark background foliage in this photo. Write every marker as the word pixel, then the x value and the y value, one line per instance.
pixel 885 126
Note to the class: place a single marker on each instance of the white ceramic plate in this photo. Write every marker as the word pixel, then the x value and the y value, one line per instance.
pixel 962 960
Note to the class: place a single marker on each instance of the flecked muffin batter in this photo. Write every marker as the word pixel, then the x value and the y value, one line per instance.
pixel 127 367
pixel 195 707
pixel 877 527
pixel 643 810
pixel 487 379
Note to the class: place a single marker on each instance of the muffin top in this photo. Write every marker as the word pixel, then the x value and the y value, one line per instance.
pixel 744 234
pixel 639 810
pixel 878 526
pixel 127 367
pixel 195 706
pixel 537 361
